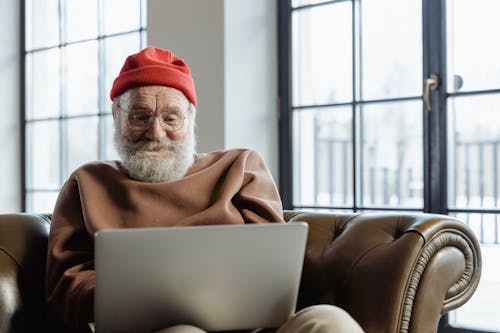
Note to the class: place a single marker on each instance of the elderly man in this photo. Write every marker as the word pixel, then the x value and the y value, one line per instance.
pixel 160 181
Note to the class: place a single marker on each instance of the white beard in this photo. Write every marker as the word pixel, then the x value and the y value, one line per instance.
pixel 156 162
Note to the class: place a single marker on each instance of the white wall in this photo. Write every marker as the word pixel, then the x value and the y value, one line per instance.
pixel 10 188
pixel 194 30
pixel 251 86
pixel 231 47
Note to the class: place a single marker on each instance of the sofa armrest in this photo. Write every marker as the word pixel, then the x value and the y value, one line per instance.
pixel 392 272
pixel 23 248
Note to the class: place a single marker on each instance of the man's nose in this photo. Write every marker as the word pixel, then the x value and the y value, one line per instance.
pixel 155 132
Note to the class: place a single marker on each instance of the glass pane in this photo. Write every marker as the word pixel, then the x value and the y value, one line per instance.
pixel 82 141
pixel 474 150
pixel 144 13
pixel 81 19
pixel 43 84
pixel 82 70
pixel 111 153
pixel 298 3
pixel 482 310
pixel 322 54
pixel 42 23
pixel 42 154
pixel 473 46
pixel 41 202
pixel 322 156
pixel 392 154
pixel 144 39
pixel 129 18
pixel 116 50
pixel 391 50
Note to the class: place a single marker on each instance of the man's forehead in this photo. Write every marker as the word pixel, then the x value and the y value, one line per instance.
pixel 155 95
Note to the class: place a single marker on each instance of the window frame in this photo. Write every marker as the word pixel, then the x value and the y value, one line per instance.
pixel 286 109
pixel 435 158
pixel 103 110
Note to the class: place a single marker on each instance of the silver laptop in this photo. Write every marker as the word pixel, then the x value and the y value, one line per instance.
pixel 224 277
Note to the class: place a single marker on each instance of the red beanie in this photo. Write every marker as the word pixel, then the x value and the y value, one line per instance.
pixel 154 66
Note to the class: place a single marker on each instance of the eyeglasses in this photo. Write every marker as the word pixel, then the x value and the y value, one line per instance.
pixel 142 120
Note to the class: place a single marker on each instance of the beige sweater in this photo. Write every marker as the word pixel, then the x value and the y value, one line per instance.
pixel 226 187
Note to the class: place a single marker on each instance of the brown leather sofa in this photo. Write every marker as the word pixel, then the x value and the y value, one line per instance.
pixel 391 272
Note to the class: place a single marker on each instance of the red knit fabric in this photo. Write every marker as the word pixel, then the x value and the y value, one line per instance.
pixel 154 66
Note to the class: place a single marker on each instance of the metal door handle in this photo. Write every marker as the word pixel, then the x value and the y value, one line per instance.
pixel 431 83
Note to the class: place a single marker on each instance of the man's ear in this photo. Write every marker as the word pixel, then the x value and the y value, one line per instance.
pixel 114 109
pixel 192 111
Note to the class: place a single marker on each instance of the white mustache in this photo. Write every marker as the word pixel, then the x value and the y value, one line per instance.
pixel 145 146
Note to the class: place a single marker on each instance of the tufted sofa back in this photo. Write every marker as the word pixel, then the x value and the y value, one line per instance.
pixel 392 272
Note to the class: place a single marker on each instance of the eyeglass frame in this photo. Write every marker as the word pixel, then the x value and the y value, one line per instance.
pixel 148 125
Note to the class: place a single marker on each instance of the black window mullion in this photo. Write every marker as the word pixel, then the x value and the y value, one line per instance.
pixel 317 152
pixel 434 62
pixel 22 103
pixel 356 84
pixel 284 89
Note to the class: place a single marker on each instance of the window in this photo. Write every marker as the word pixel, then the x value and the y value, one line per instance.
pixel 73 51
pixel 359 134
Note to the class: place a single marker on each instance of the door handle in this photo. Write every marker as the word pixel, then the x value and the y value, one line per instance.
pixel 431 83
